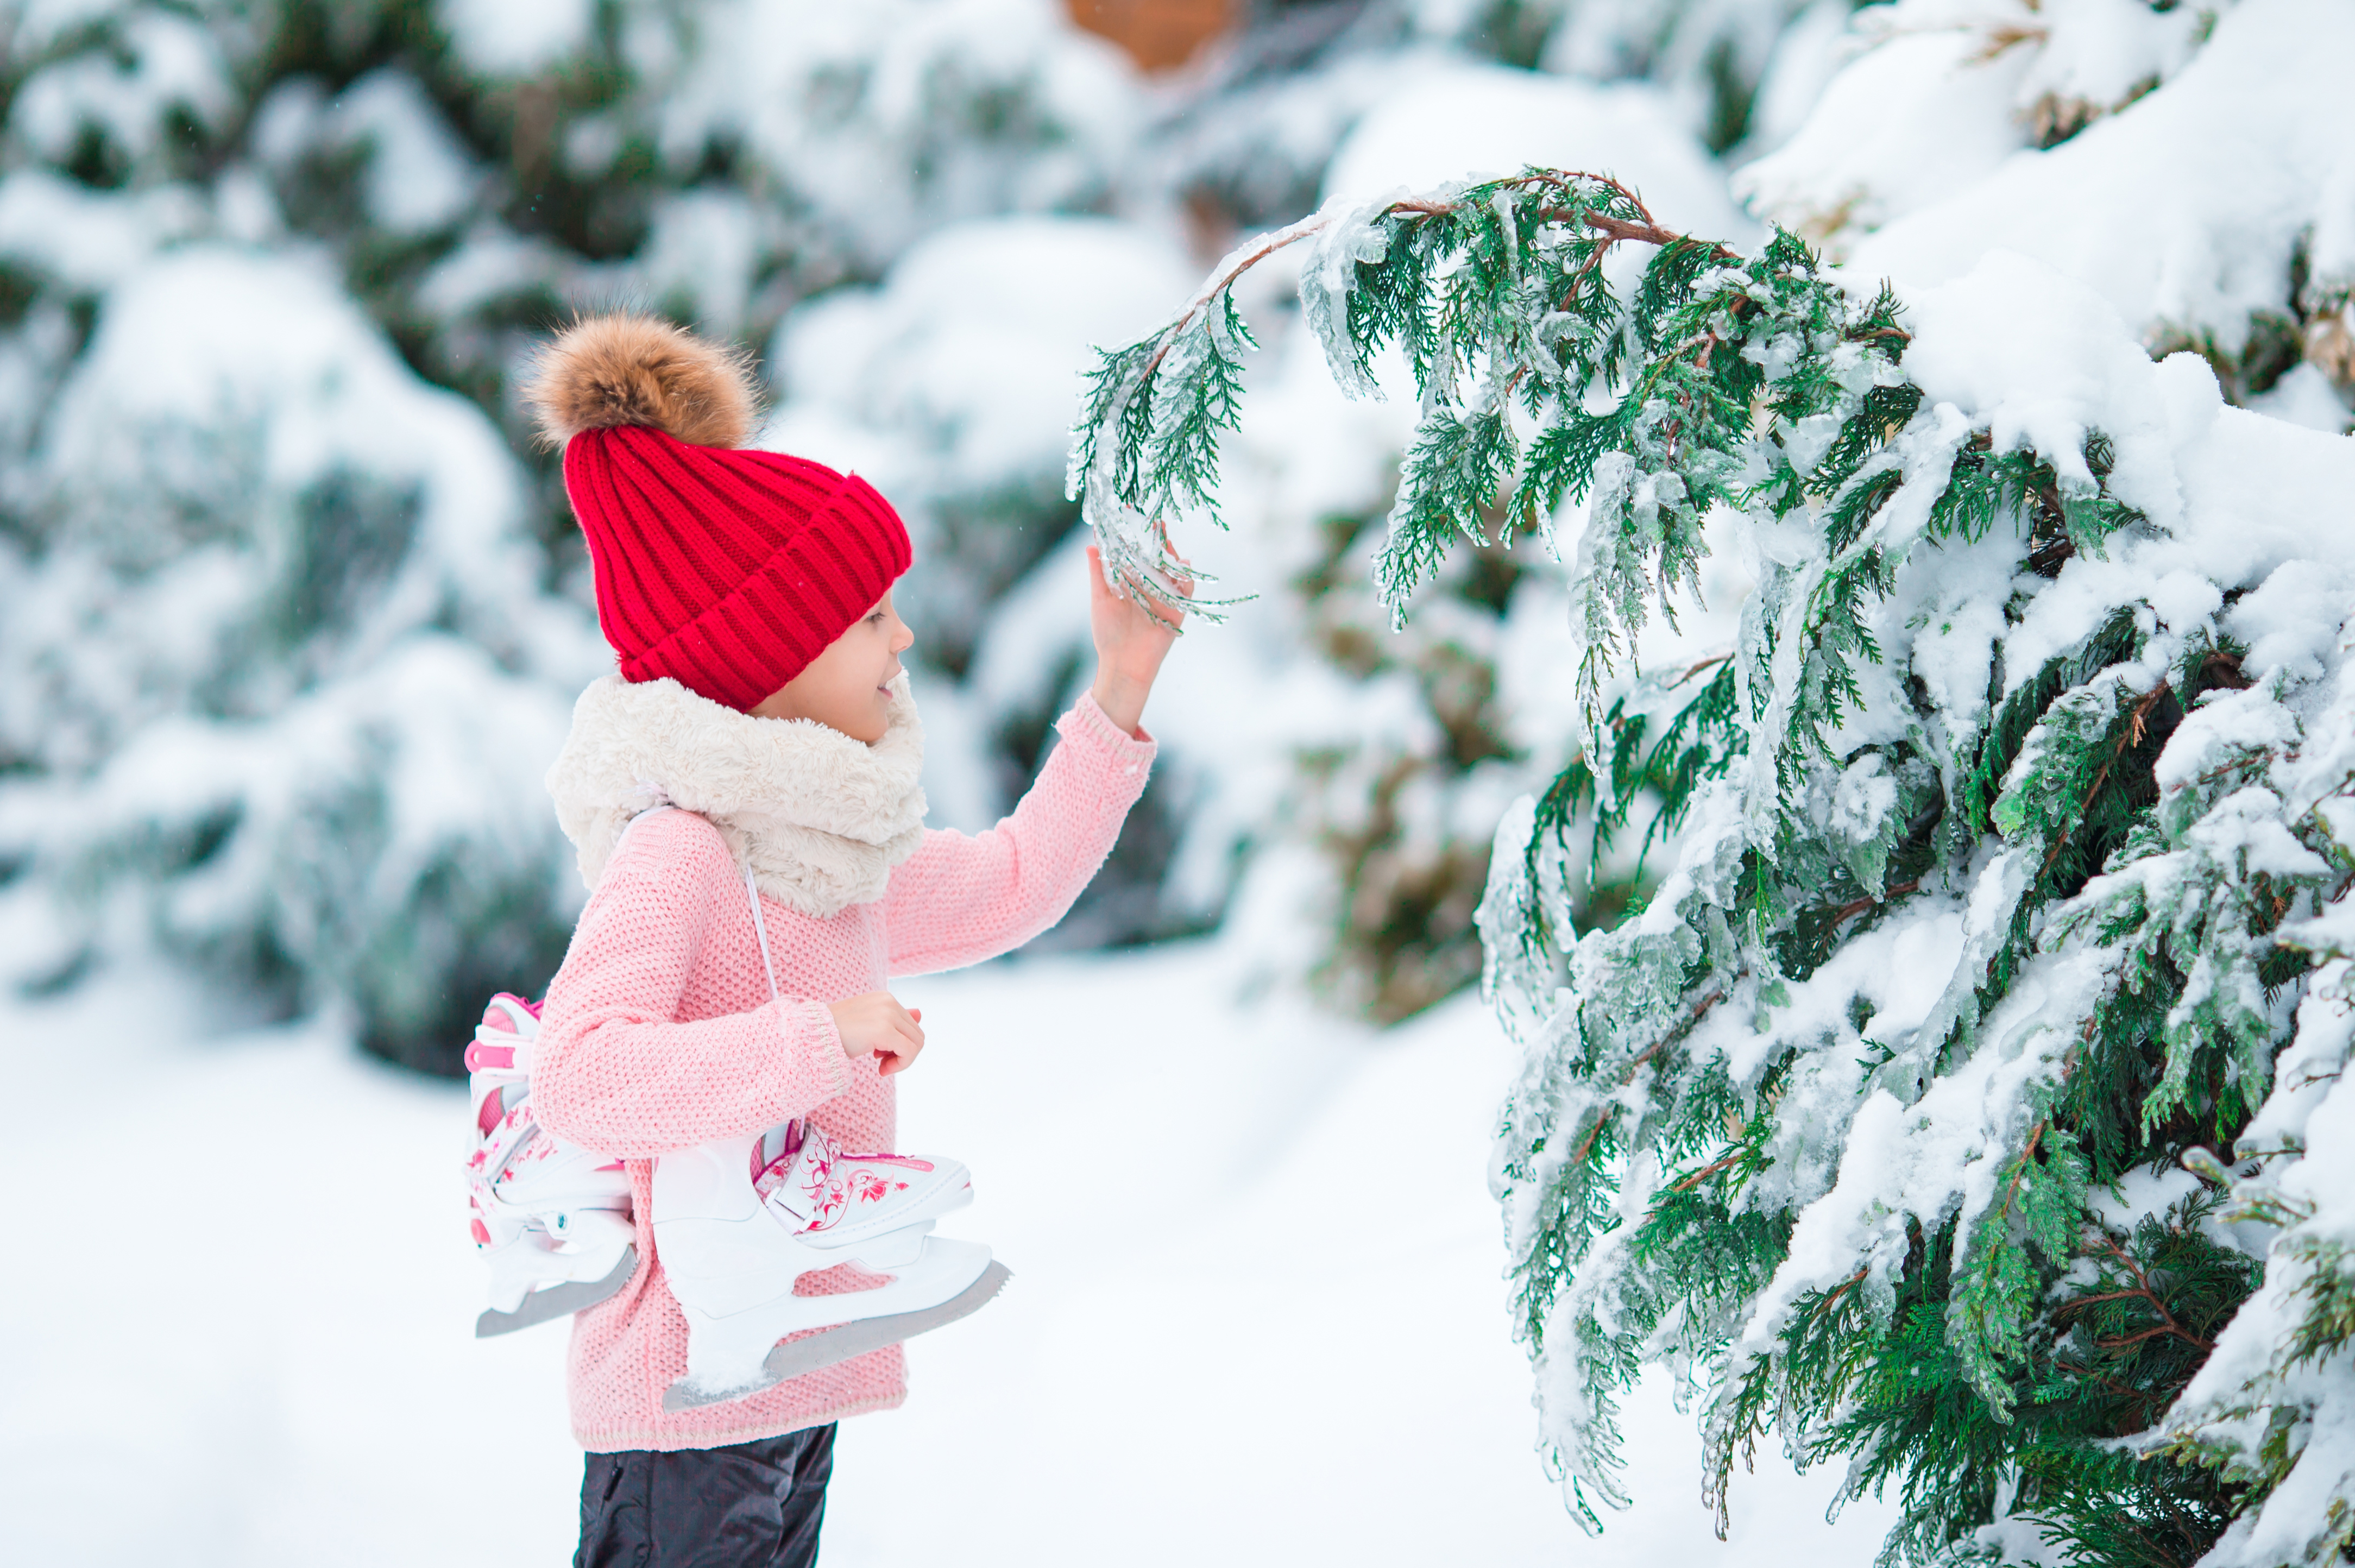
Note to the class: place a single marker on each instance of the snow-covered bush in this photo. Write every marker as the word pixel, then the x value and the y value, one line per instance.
pixel 286 633
pixel 1955 1106
pixel 277 672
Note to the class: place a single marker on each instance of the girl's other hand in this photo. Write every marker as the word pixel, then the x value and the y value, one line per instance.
pixel 1130 641
pixel 877 1025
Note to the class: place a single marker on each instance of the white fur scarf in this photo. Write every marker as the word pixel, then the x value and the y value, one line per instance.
pixel 819 818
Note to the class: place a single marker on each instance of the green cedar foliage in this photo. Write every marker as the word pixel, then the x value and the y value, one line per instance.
pixel 1870 1126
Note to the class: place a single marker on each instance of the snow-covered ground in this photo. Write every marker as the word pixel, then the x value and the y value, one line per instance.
pixel 1256 1316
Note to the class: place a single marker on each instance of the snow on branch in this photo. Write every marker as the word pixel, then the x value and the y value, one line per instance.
pixel 1494 291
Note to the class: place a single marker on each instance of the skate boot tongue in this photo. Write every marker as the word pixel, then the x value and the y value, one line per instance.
pixel 800 1183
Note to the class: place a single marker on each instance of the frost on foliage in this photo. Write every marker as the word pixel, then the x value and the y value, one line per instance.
pixel 1990 846
pixel 277 675
pixel 1873 1154
pixel 2274 1409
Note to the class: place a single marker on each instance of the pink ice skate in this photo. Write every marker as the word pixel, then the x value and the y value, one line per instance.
pixel 552 1220
pixel 737 1223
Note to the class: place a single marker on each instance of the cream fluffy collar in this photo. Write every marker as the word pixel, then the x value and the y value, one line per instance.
pixel 819 818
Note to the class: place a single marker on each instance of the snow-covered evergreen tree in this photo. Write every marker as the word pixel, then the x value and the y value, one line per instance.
pixel 1400 799
pixel 1957 1106
pixel 277 666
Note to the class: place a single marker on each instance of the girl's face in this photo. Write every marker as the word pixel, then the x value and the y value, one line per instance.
pixel 848 687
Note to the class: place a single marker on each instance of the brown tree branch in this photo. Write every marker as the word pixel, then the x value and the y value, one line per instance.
pixel 1706 1171
pixel 2125 743
pixel 1627 1076
pixel 2145 1293
pixel 1858 906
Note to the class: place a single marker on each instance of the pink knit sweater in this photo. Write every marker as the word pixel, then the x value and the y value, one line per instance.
pixel 659 1033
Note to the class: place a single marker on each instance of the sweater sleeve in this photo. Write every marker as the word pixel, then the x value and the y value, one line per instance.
pixel 960 899
pixel 613 1070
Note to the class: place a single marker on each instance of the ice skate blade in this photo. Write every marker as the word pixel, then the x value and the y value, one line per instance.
pixel 558 1300
pixel 828 1346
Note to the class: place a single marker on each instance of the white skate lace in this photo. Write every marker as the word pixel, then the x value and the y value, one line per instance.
pixel 809 1180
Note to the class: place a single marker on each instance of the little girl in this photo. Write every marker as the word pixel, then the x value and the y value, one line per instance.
pixel 748 596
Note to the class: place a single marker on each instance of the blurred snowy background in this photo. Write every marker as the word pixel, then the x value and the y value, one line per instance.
pixel 292 616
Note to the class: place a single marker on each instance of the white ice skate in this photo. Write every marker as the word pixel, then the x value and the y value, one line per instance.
pixel 737 1223
pixel 552 1220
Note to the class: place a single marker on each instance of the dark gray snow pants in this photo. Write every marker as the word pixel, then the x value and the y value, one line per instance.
pixel 752 1504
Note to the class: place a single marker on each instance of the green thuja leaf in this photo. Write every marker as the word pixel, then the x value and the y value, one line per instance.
pixel 1452 475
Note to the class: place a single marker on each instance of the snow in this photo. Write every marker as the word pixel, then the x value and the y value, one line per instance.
pixel 418 174
pixel 1477 121
pixel 2304 397
pixel 85 236
pixel 2042 362
pixel 1255 1313
pixel 2206 186
pixel 1846 163
pixel 516 39
pixel 1924 98
pixel 2103 52
pixel 1799 69
pixel 703 253
pixel 2045 360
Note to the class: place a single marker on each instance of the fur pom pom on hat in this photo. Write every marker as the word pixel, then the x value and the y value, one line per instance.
pixel 613 370
pixel 723 568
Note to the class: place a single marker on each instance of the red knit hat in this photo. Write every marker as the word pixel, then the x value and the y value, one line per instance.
pixel 724 569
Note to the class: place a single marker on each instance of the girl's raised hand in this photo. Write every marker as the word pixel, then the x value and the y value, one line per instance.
pixel 1131 643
